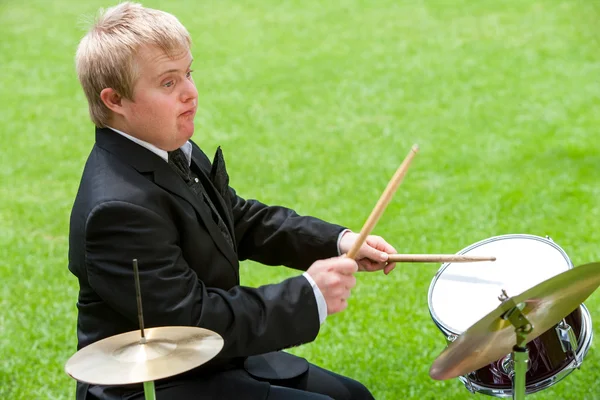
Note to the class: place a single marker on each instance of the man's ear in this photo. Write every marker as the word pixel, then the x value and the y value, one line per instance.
pixel 112 100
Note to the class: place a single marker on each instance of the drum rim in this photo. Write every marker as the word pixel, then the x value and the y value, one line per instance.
pixel 582 350
pixel 436 319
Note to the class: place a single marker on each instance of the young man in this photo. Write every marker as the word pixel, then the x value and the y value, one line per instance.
pixel 149 193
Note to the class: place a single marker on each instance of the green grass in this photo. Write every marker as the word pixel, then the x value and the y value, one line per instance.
pixel 315 105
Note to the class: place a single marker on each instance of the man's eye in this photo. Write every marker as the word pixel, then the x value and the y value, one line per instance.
pixel 169 84
pixel 189 73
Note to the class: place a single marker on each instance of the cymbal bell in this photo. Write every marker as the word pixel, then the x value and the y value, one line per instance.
pixel 493 336
pixel 125 359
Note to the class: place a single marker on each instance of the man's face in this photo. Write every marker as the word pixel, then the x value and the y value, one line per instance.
pixel 164 99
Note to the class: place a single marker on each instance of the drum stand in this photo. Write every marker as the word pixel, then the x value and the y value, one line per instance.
pixel 520 353
pixel 149 393
pixel 141 357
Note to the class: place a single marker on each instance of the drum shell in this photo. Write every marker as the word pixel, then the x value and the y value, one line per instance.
pixel 548 362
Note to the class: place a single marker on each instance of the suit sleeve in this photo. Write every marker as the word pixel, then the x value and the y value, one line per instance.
pixel 251 320
pixel 275 235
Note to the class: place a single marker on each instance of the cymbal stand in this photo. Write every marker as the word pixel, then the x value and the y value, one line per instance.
pixel 149 391
pixel 520 353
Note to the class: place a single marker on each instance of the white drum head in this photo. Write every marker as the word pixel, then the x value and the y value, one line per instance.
pixel 463 293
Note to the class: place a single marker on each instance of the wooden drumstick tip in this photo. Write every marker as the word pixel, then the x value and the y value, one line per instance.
pixel 383 201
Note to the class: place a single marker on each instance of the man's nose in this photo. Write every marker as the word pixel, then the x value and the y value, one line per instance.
pixel 189 91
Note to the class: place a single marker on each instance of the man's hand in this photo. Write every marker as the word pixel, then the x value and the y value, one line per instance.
pixel 334 277
pixel 372 255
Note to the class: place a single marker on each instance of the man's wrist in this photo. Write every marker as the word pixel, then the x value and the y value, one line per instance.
pixel 339 241
pixel 320 299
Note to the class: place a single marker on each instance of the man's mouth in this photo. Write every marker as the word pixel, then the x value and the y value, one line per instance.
pixel 188 113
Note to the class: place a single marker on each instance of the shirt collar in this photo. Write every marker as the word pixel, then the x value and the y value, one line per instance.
pixel 186 148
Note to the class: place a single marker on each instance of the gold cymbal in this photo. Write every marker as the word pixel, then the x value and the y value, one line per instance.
pixel 124 359
pixel 493 337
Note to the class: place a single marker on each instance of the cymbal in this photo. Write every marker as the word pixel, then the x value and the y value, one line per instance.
pixel 123 359
pixel 493 337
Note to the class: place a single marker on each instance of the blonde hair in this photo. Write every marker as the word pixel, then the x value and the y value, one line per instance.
pixel 105 55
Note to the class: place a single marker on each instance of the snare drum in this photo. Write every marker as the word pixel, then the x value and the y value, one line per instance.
pixel 461 294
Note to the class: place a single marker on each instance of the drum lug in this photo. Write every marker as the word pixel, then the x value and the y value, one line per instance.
pixel 549 238
pixel 567 338
pixel 507 365
pixel 451 338
pixel 468 383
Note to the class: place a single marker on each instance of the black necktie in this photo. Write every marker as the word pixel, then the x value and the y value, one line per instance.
pixel 181 165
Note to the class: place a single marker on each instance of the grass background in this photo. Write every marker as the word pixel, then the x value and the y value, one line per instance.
pixel 315 104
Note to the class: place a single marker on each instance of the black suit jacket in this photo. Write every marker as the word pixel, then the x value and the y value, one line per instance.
pixel 131 204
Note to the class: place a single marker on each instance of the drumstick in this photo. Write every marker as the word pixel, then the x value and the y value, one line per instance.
pixel 436 258
pixel 385 198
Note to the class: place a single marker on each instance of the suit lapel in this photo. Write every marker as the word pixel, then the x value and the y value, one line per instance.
pixel 169 180
pixel 145 161
pixel 214 195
